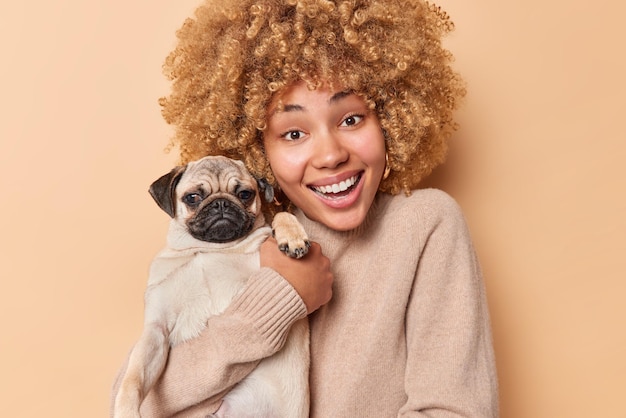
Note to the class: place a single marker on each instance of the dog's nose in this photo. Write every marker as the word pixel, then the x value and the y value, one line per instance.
pixel 220 204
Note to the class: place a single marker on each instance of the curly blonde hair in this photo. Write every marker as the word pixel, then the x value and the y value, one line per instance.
pixel 235 55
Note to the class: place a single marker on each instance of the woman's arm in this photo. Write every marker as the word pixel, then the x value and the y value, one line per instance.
pixel 450 366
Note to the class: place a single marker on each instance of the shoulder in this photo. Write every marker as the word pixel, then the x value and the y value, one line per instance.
pixel 425 211
pixel 429 203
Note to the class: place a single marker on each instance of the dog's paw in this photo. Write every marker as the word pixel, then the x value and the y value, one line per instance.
pixel 298 250
pixel 291 237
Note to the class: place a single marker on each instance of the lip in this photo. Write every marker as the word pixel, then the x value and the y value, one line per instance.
pixel 341 198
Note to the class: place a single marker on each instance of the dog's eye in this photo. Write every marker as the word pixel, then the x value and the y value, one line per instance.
pixel 192 199
pixel 245 195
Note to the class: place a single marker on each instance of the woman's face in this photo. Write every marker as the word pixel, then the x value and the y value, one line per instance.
pixel 327 152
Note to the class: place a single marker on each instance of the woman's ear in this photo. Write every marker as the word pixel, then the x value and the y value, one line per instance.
pixel 266 189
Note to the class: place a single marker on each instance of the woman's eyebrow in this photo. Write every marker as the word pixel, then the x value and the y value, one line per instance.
pixel 292 108
pixel 339 95
pixel 334 98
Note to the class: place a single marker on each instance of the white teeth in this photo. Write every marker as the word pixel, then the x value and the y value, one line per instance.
pixel 337 187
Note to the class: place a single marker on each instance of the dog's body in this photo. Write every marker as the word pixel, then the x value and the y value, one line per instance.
pixel 203 267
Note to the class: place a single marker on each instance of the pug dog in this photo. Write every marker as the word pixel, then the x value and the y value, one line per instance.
pixel 212 248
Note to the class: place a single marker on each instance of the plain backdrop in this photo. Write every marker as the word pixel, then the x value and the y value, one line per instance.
pixel 538 167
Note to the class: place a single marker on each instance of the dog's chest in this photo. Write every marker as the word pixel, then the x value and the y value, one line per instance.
pixel 202 287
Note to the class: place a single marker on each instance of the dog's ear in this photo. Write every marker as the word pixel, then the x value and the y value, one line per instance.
pixel 266 189
pixel 162 190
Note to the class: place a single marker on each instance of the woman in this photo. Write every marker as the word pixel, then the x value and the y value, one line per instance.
pixel 341 105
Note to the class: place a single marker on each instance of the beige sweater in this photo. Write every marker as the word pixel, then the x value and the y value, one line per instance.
pixel 406 333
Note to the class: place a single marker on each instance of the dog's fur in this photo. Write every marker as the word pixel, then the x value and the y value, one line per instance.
pixel 212 248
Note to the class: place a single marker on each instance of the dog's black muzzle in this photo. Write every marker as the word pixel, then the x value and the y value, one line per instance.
pixel 220 221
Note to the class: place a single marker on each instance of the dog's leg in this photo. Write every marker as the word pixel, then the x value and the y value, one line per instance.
pixel 144 367
pixel 290 235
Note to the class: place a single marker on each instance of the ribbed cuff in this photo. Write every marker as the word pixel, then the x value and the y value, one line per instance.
pixel 271 304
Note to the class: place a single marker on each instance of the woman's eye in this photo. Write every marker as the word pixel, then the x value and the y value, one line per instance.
pixel 293 135
pixel 352 120
pixel 245 195
pixel 192 199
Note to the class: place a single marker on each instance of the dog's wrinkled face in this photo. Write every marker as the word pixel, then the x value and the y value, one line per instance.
pixel 215 197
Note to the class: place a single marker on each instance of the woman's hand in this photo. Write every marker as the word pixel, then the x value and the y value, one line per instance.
pixel 310 275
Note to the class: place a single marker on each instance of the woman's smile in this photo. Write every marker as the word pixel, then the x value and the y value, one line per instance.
pixel 341 194
pixel 337 188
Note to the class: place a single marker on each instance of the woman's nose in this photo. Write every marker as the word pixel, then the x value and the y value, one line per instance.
pixel 329 151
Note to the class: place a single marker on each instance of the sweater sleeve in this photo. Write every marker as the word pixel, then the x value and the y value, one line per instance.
pixel 450 362
pixel 201 370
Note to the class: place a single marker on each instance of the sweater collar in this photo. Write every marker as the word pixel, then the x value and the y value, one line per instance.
pixel 334 241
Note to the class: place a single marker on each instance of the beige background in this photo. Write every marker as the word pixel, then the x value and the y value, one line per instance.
pixel 538 167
